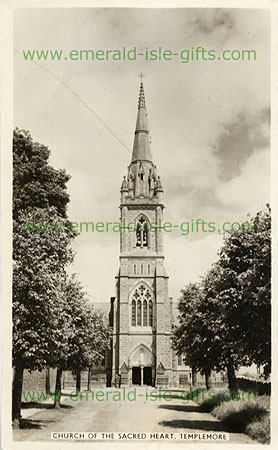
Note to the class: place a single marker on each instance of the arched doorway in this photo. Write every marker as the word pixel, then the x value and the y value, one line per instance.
pixel 141 363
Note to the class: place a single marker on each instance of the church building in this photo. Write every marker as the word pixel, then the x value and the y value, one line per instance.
pixel 141 311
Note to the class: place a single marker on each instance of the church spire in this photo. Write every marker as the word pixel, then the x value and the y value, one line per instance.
pixel 141 146
pixel 142 179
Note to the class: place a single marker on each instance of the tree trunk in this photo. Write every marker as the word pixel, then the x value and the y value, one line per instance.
pixel 17 393
pixel 78 381
pixel 89 379
pixel 194 375
pixel 47 380
pixel 58 388
pixel 231 377
pixel 208 378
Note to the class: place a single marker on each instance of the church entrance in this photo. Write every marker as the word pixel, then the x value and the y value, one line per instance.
pixel 147 378
pixel 136 375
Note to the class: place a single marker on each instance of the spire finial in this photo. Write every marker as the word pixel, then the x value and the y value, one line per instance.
pixel 141 75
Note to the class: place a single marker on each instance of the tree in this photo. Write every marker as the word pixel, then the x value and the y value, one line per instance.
pixel 247 255
pixel 88 338
pixel 225 321
pixel 193 337
pixel 40 260
pixel 221 301
pixel 35 182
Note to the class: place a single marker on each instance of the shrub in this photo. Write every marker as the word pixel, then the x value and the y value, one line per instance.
pixel 208 405
pixel 261 387
pixel 260 430
pixel 246 415
pixel 237 415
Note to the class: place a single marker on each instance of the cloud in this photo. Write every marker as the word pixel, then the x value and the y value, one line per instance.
pixel 242 136
pixel 250 190
pixel 214 21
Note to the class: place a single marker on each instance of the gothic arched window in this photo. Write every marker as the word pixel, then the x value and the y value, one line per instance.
pixel 142 307
pixel 142 233
pixel 141 173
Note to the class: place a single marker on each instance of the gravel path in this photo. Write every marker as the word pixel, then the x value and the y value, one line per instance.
pixel 110 415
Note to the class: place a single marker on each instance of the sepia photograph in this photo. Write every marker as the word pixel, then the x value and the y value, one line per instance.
pixel 141 219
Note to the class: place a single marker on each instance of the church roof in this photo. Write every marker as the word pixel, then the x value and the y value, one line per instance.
pixel 141 146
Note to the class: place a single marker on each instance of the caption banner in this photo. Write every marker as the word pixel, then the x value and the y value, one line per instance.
pixel 128 436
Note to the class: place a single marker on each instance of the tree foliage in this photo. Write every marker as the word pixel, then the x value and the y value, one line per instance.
pixel 86 334
pixel 36 183
pixel 40 261
pixel 225 320
pixel 40 258
pixel 53 323
pixel 90 335
pixel 246 257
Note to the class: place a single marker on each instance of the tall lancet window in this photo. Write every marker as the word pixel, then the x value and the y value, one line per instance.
pixel 150 313
pixel 142 233
pixel 141 173
pixel 133 312
pixel 139 313
pixel 145 314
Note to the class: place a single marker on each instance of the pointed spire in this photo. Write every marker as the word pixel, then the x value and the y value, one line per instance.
pixel 141 146
pixel 142 102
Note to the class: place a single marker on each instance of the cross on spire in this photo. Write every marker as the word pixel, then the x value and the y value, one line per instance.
pixel 141 75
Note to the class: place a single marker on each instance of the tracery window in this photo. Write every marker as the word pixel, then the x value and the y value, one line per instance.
pixel 142 307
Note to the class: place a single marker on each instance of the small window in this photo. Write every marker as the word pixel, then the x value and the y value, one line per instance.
pixel 179 360
pixel 142 233
pixel 149 269
pixel 133 320
pixel 142 269
pixel 134 269
pixel 150 313
pixel 139 311
pixel 145 314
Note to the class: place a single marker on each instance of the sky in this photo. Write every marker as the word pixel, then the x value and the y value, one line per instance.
pixel 209 123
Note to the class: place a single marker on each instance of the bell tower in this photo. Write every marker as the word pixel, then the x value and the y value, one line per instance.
pixel 142 352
